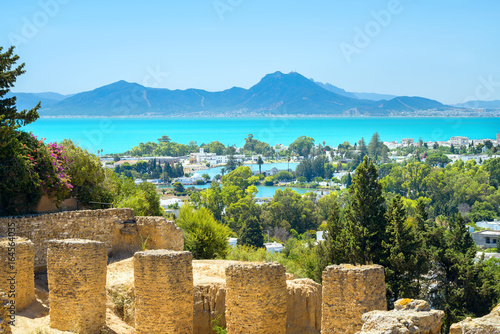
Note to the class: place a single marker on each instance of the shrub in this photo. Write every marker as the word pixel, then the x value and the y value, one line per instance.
pixel 203 235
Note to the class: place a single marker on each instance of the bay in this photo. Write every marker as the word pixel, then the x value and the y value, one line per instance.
pixel 116 135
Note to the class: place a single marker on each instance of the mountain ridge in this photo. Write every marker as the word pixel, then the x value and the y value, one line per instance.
pixel 276 93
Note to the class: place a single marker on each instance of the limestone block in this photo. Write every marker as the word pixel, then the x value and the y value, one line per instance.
pixel 349 292
pixel 163 282
pixel 17 265
pixel 409 316
pixel 256 298
pixel 488 324
pixel 303 307
pixel 76 272
pixel 209 304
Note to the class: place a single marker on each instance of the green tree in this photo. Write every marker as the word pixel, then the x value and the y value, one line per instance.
pixel 87 175
pixel 269 181
pixel 376 149
pixel 283 176
pixel 231 163
pixel 251 234
pixel 260 162
pixel 203 235
pixel 10 118
pixel 178 187
pixel 405 262
pixel 437 159
pixel 126 194
pixel 302 146
pixel 305 169
pixel 213 200
pixel 214 147
pixel 460 289
pixel 366 215
pixel 332 250
pixel 288 209
pixel 164 139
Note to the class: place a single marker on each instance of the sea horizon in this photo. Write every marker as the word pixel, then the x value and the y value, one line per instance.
pixel 119 134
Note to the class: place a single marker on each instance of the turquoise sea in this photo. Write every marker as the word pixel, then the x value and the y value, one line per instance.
pixel 116 135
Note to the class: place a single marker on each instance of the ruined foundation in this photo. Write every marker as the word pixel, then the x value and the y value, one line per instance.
pixel 256 298
pixel 76 271
pixel 349 292
pixel 163 282
pixel 17 265
pixel 303 307
pixel 409 316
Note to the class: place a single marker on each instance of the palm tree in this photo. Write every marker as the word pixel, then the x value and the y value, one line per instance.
pixel 288 158
pixel 260 162
pixel 222 171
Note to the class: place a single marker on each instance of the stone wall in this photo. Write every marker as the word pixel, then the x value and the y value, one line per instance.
pixel 303 307
pixel 349 292
pixel 85 224
pixel 209 305
pixel 409 316
pixel 17 277
pixel 119 229
pixel 4 314
pixel 489 324
pixel 163 282
pixel 256 298
pixel 155 232
pixel 76 272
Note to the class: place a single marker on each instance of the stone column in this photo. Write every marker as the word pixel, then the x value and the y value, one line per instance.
pixel 76 271
pixel 349 292
pixel 17 270
pixel 256 298
pixel 163 282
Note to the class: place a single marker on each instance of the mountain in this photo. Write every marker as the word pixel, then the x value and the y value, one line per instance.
pixel 479 104
pixel 361 96
pixel 30 100
pixel 407 103
pixel 275 94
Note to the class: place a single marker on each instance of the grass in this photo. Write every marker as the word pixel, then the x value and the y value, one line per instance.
pixel 124 299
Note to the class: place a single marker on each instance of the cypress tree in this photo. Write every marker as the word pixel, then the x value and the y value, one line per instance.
pixel 365 215
pixel 251 234
pixel 404 263
pixel 10 118
pixel 332 250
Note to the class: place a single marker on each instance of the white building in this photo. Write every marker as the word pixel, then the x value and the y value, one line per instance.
pixel 494 225
pixel 405 142
pixel 201 156
pixel 486 239
pixel 459 141
pixel 273 247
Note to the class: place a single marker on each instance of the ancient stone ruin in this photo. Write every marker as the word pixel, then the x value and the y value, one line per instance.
pixel 409 316
pixel 489 324
pixel 303 313
pixel 76 271
pixel 256 298
pixel 163 283
pixel 119 229
pixel 349 292
pixel 17 277
pixel 170 293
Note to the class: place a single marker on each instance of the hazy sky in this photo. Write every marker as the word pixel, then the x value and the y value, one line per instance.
pixel 447 50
